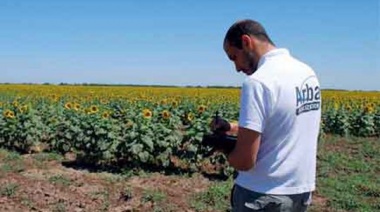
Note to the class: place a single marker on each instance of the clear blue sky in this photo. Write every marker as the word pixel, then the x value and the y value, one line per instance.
pixel 180 42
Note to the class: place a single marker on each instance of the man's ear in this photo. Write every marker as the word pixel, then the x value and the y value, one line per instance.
pixel 246 42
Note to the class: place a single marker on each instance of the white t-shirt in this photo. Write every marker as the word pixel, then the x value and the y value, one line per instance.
pixel 282 101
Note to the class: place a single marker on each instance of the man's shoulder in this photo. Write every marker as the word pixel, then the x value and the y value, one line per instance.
pixel 254 81
pixel 262 77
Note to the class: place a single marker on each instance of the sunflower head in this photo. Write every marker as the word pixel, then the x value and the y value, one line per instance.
pixel 15 103
pixel 94 109
pixel 190 117
pixel 103 101
pixel 175 103
pixel 76 106
pixel 165 114
pixel 54 98
pixel 23 108
pixel 348 107
pixel 369 109
pixel 201 108
pixel 9 114
pixel 106 115
pixel 147 113
pixel 163 101
pixel 69 106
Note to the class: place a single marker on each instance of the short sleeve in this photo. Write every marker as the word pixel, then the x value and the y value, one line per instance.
pixel 255 105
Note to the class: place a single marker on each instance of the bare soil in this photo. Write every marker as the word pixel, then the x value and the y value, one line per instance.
pixel 32 183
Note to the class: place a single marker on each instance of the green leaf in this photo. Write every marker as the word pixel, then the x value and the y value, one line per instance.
pixel 148 141
pixel 136 149
pixel 68 136
pixel 144 156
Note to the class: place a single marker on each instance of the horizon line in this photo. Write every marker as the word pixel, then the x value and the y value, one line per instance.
pixel 157 85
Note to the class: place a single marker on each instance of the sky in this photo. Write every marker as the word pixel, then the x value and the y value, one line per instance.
pixel 181 42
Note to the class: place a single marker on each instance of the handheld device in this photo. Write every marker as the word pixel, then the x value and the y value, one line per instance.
pixel 219 140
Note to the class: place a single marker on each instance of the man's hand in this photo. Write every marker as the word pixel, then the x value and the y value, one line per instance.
pixel 219 142
pixel 224 134
pixel 219 125
pixel 222 126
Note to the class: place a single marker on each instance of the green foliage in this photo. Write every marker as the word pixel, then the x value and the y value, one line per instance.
pixel 149 140
pixel 21 130
pixel 350 120
pixel 348 177
pixel 12 162
pixel 140 131
pixel 8 190
pixel 47 157
pixel 153 196
pixel 216 197
pixel 60 180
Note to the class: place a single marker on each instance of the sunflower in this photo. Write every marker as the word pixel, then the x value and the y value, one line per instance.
pixel 175 103
pixel 164 102
pixel 9 114
pixel 165 114
pixel 106 115
pixel 103 101
pixel 23 108
pixel 147 113
pixel 69 105
pixel 369 109
pixel 94 109
pixel 201 108
pixel 76 107
pixel 348 107
pixel 190 117
pixel 55 98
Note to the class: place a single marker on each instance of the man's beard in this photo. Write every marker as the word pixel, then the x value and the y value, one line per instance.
pixel 251 62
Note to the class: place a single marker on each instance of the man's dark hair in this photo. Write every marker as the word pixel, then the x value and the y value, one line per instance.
pixel 246 27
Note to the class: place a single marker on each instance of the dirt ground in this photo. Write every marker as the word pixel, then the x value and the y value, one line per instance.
pixel 39 183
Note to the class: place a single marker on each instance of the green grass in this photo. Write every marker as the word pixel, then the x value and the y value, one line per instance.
pixel 12 156
pixel 8 190
pixel 10 162
pixel 216 197
pixel 348 173
pixel 60 180
pixel 44 157
pixel 153 196
pixel 347 176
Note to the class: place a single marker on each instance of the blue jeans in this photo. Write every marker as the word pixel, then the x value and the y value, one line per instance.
pixel 245 200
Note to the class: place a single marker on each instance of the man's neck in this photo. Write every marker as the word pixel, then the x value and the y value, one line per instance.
pixel 265 48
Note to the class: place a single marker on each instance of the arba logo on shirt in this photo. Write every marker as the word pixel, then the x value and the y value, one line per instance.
pixel 308 96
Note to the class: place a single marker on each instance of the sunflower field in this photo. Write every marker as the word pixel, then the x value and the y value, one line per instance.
pixel 148 126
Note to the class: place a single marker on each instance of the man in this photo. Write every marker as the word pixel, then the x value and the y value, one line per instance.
pixel 278 127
